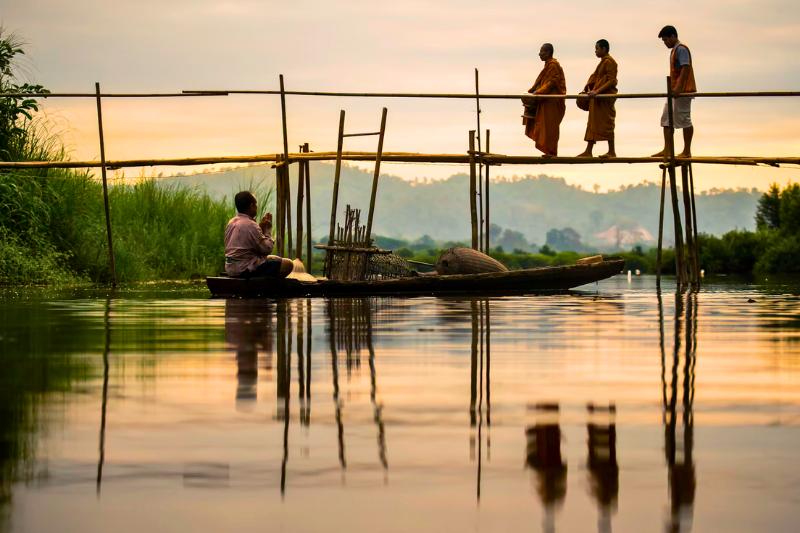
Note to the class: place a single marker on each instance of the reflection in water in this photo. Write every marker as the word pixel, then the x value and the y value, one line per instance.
pixel 248 329
pixel 350 330
pixel 601 432
pixel 543 455
pixel 679 437
pixel 480 358
pixel 104 405
pixel 588 368
pixel 36 369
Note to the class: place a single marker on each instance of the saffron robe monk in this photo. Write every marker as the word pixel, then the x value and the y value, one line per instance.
pixel 544 129
pixel 602 113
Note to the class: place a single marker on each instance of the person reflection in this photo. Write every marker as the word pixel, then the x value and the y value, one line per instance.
pixel 602 464
pixel 679 435
pixel 543 456
pixel 248 330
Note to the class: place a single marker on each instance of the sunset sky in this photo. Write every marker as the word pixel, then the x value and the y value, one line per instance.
pixel 408 46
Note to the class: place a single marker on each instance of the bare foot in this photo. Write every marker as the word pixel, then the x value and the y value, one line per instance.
pixel 608 155
pixel 684 154
pixel 584 154
pixel 548 156
pixel 662 153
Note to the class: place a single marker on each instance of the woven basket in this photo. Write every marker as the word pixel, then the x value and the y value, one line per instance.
pixel 467 261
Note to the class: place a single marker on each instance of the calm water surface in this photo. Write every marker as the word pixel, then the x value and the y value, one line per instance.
pixel 606 409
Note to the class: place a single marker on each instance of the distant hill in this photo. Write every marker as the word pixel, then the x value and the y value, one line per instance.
pixel 532 205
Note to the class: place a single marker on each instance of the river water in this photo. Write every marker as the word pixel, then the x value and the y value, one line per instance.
pixel 609 408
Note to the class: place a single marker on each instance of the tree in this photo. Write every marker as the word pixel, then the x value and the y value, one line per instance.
pixel 566 239
pixel 512 240
pixel 789 210
pixel 14 110
pixel 768 211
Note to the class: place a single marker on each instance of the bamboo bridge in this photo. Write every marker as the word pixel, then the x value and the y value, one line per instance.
pixel 480 160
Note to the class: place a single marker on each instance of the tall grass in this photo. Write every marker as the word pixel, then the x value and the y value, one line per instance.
pixel 52 225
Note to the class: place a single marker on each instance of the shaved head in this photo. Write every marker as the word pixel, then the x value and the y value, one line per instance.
pixel 548 47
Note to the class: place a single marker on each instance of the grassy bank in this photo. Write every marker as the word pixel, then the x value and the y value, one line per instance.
pixel 52 230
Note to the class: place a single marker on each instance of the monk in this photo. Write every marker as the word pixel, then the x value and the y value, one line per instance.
pixel 602 112
pixel 681 75
pixel 544 128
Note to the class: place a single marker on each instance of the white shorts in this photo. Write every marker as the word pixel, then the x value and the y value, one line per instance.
pixel 681 113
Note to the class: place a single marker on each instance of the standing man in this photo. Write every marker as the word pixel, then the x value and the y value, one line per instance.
pixel 682 78
pixel 544 128
pixel 602 112
pixel 248 243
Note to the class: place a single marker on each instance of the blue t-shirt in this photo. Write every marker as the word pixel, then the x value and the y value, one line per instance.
pixel 682 57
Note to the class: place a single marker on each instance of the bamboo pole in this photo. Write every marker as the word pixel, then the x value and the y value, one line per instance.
pixel 287 194
pixel 301 178
pixel 307 165
pixel 280 204
pixel 328 265
pixel 473 212
pixel 676 218
pixel 694 226
pixel 336 176
pixel 493 96
pixel 660 226
pixel 468 96
pixel 401 157
pixel 375 177
pixel 286 209
pixel 486 200
pixel 111 261
pixel 480 161
pixel 687 213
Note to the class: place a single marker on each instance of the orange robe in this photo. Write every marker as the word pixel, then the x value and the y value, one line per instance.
pixel 544 129
pixel 602 112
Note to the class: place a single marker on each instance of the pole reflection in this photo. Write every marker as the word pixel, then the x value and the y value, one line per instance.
pixel 679 434
pixel 253 326
pixel 101 459
pixel 480 364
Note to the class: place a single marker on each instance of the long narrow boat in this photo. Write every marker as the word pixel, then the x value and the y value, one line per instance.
pixel 533 280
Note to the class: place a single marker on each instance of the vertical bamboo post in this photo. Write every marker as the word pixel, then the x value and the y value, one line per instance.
pixel 694 226
pixel 473 212
pixel 486 247
pixel 301 177
pixel 687 213
pixel 287 195
pixel 680 267
pixel 111 262
pixel 309 254
pixel 285 213
pixel 679 257
pixel 660 226
pixel 336 175
pixel 480 161
pixel 375 176
pixel 279 207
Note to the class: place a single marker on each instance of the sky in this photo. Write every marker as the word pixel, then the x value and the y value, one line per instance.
pixel 408 46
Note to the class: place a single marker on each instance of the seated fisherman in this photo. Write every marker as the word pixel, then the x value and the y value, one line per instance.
pixel 248 244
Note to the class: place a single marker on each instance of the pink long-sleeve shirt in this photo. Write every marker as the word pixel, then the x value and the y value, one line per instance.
pixel 246 246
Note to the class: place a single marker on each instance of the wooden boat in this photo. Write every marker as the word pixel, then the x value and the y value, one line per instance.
pixel 528 281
